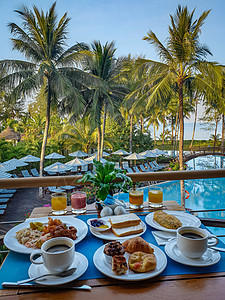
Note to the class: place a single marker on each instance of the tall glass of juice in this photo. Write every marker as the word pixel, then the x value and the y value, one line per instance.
pixel 78 202
pixel 155 196
pixel 136 197
pixel 59 203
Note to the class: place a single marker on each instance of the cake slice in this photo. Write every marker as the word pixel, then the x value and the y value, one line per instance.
pixel 125 220
pixel 119 264
pixel 127 230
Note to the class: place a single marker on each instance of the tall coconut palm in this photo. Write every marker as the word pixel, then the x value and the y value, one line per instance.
pixel 42 40
pixel 181 61
pixel 108 93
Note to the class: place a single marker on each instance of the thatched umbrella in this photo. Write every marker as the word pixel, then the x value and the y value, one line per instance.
pixel 10 134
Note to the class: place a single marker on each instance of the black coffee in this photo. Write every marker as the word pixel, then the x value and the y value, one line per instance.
pixel 57 248
pixel 192 235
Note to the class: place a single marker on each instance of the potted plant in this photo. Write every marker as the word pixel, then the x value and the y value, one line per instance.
pixel 104 178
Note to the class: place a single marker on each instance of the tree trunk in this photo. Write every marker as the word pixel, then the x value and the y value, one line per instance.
pixel 195 121
pixel 45 137
pixel 103 131
pixel 214 143
pixel 172 129
pixel 222 139
pixel 154 135
pixel 99 141
pixel 142 124
pixel 176 129
pixel 163 133
pixel 181 140
pixel 131 132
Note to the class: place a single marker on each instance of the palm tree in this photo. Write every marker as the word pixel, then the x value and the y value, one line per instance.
pixel 42 40
pixel 181 62
pixel 108 93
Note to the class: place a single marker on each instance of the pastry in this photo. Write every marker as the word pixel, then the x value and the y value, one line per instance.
pixel 137 244
pixel 142 262
pixel 127 230
pixel 126 220
pixel 114 248
pixel 166 220
pixel 119 264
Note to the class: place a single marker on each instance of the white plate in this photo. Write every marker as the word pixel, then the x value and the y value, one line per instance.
pixel 185 218
pixel 209 258
pixel 109 235
pixel 11 242
pixel 80 262
pixel 101 264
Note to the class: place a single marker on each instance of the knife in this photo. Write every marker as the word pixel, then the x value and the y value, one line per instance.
pixel 30 285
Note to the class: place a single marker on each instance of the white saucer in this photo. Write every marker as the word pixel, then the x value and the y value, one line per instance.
pixel 209 258
pixel 80 262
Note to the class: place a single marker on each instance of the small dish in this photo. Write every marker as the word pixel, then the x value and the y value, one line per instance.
pixel 111 249
pixel 101 221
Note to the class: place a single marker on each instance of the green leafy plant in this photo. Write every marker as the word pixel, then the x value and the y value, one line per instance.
pixel 104 179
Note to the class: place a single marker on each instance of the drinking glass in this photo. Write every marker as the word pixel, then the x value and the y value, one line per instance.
pixel 136 197
pixel 78 202
pixel 155 196
pixel 59 203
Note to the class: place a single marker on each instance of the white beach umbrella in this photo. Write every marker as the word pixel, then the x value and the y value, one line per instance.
pixel 15 163
pixel 103 153
pixel 57 167
pixel 134 156
pixel 6 168
pixel 121 152
pixel 30 158
pixel 78 153
pixel 76 163
pixel 54 155
pixel 148 153
pixel 4 175
pixel 90 159
pixel 158 152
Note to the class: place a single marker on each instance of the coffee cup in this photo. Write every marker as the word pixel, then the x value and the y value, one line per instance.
pixel 193 242
pixel 57 254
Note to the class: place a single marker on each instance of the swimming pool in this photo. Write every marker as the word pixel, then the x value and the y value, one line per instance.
pixel 204 193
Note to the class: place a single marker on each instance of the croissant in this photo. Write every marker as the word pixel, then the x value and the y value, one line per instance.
pixel 137 244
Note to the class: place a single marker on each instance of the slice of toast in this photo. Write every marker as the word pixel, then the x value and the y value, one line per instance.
pixel 125 220
pixel 127 230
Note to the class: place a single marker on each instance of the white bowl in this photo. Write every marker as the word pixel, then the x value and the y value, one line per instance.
pixel 97 228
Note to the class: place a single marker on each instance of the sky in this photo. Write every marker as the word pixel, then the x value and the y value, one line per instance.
pixel 124 21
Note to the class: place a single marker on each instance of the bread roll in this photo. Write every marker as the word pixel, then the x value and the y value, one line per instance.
pixel 137 244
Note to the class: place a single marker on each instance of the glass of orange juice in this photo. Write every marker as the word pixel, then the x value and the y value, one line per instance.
pixel 59 203
pixel 136 197
pixel 155 196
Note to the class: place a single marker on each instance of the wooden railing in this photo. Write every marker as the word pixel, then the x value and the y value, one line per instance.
pixel 136 177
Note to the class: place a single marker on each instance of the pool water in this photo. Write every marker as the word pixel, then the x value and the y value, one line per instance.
pixel 204 193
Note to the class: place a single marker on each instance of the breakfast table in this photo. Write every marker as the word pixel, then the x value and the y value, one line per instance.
pixel 177 281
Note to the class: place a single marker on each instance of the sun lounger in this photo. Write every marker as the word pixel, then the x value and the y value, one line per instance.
pixel 3 206
pixel 34 172
pixel 51 173
pixel 14 175
pixel 148 168
pixel 125 165
pixel 136 170
pixel 25 173
pixel 157 165
pixel 2 211
pixel 143 168
pixel 153 167
pixel 54 189
pixel 6 195
pixel 4 191
pixel 4 200
pixel 117 165
pixel 129 170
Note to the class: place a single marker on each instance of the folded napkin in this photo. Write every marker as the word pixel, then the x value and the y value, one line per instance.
pixel 163 237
